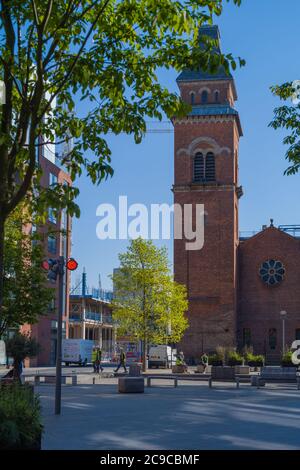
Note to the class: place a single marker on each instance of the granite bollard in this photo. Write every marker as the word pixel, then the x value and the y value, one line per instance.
pixel 131 385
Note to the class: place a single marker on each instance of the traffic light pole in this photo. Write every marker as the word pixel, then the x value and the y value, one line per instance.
pixel 59 335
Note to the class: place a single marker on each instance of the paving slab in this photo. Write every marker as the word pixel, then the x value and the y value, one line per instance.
pixel 191 416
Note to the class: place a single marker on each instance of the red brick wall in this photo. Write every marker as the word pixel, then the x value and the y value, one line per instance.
pixel 224 88
pixel 260 305
pixel 209 273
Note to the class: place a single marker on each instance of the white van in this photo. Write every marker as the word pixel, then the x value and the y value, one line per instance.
pixel 161 356
pixel 77 351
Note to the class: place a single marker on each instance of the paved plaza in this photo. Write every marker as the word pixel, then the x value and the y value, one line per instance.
pixel 191 416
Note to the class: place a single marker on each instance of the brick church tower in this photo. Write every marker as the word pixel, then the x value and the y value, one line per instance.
pixel 206 172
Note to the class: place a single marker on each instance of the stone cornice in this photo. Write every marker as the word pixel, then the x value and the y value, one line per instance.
pixel 203 144
pixel 213 118
pixel 196 119
pixel 177 188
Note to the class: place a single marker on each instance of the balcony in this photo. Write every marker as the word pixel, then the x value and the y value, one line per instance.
pixel 93 316
pixel 74 317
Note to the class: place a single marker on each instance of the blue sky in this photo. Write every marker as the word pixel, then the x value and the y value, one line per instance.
pixel 266 34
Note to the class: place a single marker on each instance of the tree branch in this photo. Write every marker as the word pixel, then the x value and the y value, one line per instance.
pixel 47 15
pixel 70 71
pixel 35 13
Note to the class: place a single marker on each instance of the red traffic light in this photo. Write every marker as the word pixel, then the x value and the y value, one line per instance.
pixel 72 264
pixel 45 265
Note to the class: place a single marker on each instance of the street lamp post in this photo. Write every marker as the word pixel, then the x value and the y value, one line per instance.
pixel 59 335
pixel 283 314
pixel 56 269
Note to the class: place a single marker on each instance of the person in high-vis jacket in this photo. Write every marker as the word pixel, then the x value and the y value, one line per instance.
pixel 122 362
pixel 98 361
pixel 94 359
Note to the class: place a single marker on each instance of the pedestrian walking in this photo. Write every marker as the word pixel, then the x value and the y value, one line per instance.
pixel 122 362
pixel 94 359
pixel 204 360
pixel 98 361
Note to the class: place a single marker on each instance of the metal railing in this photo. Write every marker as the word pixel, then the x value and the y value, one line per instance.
pixel 293 230
pixel 98 317
pixel 93 316
pixel 73 317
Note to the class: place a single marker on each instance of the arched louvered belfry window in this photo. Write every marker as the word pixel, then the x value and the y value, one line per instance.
pixel 204 97
pixel 210 171
pixel 198 167
pixel 192 98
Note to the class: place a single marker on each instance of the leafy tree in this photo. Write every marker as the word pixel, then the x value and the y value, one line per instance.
pixel 26 294
pixel 19 347
pixel 148 304
pixel 288 117
pixel 105 52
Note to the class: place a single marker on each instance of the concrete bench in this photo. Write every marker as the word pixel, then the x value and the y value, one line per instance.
pixel 200 369
pixel 131 385
pixel 276 375
pixel 51 378
pixel 162 377
pixel 202 378
pixel 258 381
pixel 176 378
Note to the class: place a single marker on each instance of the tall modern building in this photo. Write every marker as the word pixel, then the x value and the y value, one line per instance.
pixel 237 286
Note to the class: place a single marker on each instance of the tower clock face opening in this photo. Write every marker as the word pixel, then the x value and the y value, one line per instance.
pixel 272 272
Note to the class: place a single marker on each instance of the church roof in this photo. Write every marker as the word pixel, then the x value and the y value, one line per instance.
pixel 269 230
pixel 213 110
pixel 196 75
pixel 213 33
pixel 216 110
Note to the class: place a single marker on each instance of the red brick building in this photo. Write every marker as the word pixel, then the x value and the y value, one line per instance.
pixel 57 241
pixel 236 288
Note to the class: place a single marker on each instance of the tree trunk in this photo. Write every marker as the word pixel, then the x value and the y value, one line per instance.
pixel 1 271
pixel 17 371
pixel 145 345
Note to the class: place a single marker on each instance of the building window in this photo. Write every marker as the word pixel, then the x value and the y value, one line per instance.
pixel 246 337
pixel 54 326
pixel 210 167
pixel 52 244
pixel 52 179
pixel 51 216
pixel 64 219
pixel 217 96
pixel 297 333
pixel 204 97
pixel 272 272
pixel 192 98
pixel 198 167
pixel 204 169
pixel 272 338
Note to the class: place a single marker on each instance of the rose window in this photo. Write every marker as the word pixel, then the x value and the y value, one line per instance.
pixel 272 272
